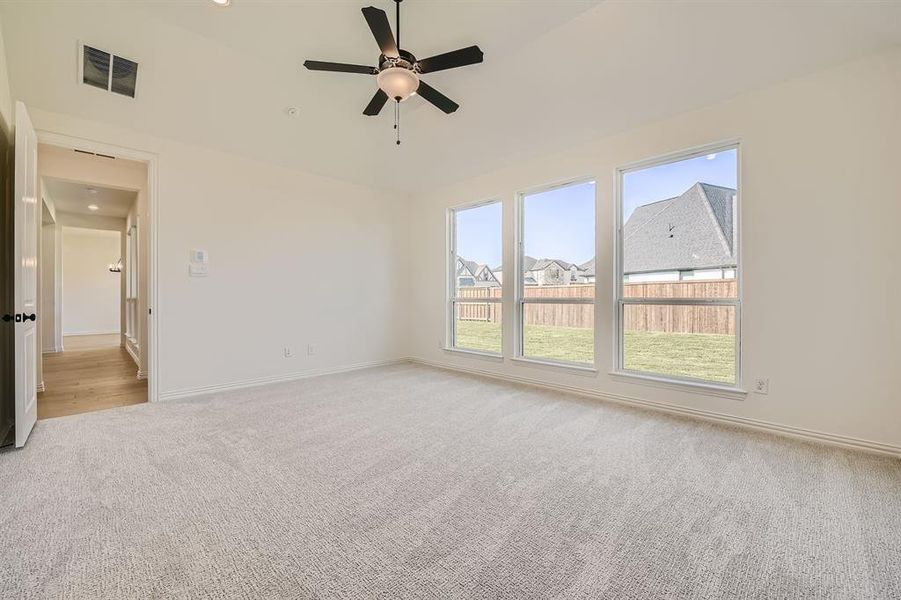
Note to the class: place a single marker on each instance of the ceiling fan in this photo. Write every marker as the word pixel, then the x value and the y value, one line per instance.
pixel 398 70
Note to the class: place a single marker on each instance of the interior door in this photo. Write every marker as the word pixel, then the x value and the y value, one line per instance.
pixel 25 211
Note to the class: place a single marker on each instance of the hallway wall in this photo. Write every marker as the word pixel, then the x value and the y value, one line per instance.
pixel 91 294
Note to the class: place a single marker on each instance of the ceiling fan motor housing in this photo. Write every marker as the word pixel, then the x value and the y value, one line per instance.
pixel 398 77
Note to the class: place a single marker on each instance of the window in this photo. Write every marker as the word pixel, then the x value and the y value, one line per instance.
pixel 475 290
pixel 679 299
pixel 555 283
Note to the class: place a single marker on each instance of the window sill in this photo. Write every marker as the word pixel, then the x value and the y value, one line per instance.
pixel 476 354
pixel 554 365
pixel 709 389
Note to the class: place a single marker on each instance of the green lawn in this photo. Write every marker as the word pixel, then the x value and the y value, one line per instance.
pixel 702 356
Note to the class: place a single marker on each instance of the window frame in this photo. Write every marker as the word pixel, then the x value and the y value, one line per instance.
pixel 451 298
pixel 620 302
pixel 519 299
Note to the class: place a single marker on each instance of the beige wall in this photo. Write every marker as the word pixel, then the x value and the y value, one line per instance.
pixel 91 294
pixel 820 213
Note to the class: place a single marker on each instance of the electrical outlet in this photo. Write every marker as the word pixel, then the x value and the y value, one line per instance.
pixel 288 352
pixel 762 385
pixel 310 350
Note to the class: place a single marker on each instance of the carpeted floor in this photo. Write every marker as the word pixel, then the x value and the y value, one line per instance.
pixel 410 482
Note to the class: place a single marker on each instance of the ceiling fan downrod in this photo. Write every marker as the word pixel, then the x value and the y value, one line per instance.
pixel 397 21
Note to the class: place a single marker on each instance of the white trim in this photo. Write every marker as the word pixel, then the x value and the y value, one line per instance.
pixel 476 353
pixel 141 374
pixel 578 368
pixel 132 354
pixel 682 385
pixel 544 300
pixel 707 415
pixel 81 333
pixel 153 302
pixel 40 386
pixel 247 383
pixel 57 286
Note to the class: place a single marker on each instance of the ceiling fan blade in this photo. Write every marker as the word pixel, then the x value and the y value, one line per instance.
pixel 317 65
pixel 381 30
pixel 436 97
pixel 451 60
pixel 375 105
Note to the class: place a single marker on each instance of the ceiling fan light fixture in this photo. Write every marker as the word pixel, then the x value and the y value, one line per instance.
pixel 399 83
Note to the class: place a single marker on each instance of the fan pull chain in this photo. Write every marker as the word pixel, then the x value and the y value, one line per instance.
pixel 397 120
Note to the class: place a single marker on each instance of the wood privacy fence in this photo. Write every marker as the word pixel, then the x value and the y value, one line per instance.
pixel 637 317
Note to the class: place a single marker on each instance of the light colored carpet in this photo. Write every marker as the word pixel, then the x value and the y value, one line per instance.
pixel 410 482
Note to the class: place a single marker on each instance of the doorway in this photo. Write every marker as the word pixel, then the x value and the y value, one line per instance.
pixel 92 282
pixel 48 164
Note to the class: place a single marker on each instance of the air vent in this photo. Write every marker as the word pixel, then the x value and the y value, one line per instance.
pixel 104 70
pixel 94 154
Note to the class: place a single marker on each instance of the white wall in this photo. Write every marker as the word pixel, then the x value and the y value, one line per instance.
pixel 295 260
pixel 91 294
pixel 820 188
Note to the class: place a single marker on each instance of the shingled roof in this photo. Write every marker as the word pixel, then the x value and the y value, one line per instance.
pixel 693 231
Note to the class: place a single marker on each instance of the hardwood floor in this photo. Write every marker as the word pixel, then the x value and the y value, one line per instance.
pixel 93 373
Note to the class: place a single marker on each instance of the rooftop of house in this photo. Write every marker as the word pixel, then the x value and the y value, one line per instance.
pixel 695 230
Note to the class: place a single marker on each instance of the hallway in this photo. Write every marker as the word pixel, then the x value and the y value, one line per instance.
pixel 93 373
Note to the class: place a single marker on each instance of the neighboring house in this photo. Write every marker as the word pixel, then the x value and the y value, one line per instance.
pixel 548 271
pixel 473 274
pixel 691 236
pixel 586 272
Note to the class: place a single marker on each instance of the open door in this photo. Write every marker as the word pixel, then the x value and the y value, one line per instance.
pixel 25 209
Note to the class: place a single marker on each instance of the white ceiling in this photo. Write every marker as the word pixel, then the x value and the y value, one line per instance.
pixel 555 72
pixel 71 197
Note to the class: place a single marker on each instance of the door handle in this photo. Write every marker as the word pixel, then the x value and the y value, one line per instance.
pixel 20 318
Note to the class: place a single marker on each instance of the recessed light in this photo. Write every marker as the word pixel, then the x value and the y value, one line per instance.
pixel 222 2
pixel 93 207
pixel 291 111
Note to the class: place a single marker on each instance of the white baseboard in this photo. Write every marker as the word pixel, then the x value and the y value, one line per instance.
pixel 80 333
pixel 756 424
pixel 142 374
pixel 40 386
pixel 134 357
pixel 246 383
pixel 51 350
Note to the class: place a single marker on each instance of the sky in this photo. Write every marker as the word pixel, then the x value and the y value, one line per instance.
pixel 672 179
pixel 560 223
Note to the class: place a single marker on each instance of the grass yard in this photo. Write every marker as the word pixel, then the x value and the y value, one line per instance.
pixel 702 356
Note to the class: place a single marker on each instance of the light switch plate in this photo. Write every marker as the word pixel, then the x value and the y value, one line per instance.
pixel 199 257
pixel 198 270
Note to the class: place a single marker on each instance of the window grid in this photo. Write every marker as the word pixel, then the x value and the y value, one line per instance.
pixel 621 302
pixel 453 298
pixel 520 298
